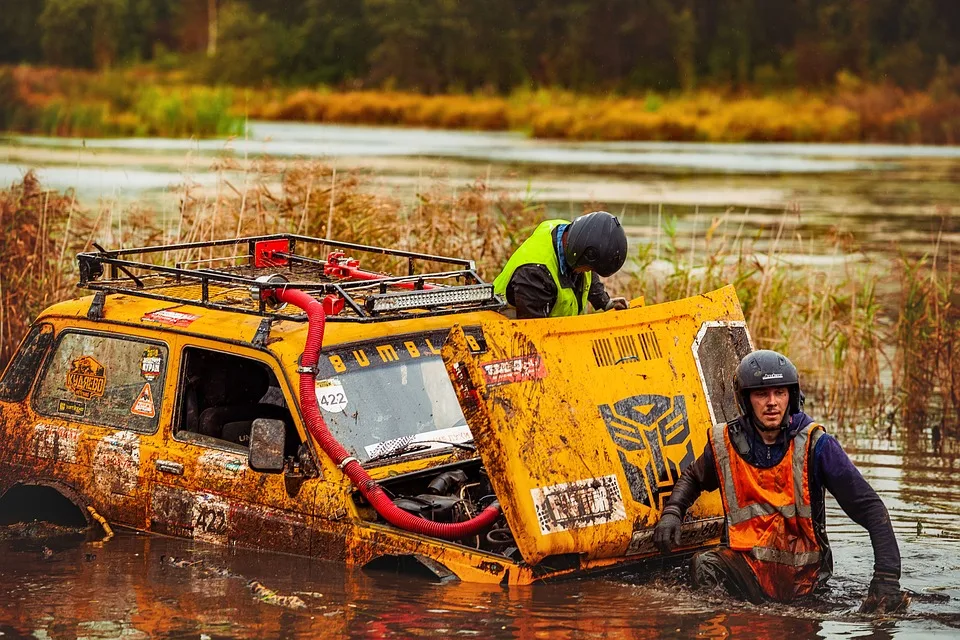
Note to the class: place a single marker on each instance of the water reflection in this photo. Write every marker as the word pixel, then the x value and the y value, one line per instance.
pixel 138 586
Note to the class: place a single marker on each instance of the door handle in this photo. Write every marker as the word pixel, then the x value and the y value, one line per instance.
pixel 166 466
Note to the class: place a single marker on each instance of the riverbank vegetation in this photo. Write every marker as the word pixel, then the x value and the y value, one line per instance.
pixel 144 102
pixel 726 70
pixel 866 357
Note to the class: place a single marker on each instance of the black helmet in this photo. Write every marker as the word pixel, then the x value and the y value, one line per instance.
pixel 596 240
pixel 764 369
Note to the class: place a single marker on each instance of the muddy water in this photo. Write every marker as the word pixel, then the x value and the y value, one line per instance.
pixel 888 198
pixel 137 586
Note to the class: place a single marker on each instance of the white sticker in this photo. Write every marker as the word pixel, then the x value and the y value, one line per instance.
pixel 330 395
pixel 55 443
pixel 211 519
pixel 574 505
pixel 116 464
pixel 436 440
pixel 221 464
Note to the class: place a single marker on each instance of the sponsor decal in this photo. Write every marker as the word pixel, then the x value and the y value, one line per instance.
pixel 222 465
pixel 330 395
pixel 575 505
pixel 116 464
pixel 170 318
pixel 369 355
pixel 695 533
pixel 522 369
pixel 151 363
pixel 652 436
pixel 55 443
pixel 86 378
pixel 143 405
pixel 71 408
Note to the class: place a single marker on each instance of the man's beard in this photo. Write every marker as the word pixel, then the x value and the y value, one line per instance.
pixel 762 427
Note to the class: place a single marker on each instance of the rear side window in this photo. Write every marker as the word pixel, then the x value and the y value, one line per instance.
pixel 106 380
pixel 18 377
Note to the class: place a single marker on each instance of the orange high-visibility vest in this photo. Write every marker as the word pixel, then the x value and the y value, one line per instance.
pixel 769 518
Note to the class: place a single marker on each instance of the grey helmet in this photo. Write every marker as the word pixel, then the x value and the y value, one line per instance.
pixel 596 240
pixel 764 369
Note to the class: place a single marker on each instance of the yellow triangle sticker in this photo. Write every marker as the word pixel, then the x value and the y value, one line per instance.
pixel 143 406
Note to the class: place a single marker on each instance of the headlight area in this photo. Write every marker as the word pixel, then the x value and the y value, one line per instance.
pixel 449 494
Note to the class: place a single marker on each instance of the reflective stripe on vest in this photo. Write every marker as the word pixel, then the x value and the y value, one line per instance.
pixel 539 249
pixel 778 540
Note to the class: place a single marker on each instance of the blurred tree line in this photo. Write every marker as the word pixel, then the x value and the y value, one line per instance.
pixel 498 45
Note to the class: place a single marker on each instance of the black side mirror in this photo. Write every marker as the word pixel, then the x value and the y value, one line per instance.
pixel 267 440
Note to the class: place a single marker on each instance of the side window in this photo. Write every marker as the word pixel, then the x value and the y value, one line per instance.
pixel 107 380
pixel 18 378
pixel 221 394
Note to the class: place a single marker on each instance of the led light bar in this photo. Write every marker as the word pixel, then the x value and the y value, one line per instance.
pixel 432 298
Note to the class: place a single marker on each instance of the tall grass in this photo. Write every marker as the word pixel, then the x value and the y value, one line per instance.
pixel 33 225
pixel 846 339
pixel 828 320
pixel 927 366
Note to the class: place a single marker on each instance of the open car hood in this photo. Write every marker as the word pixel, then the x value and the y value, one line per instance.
pixel 585 423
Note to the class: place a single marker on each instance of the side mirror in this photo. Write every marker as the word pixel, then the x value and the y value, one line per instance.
pixel 267 440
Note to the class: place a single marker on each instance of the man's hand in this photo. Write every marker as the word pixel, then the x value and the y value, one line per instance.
pixel 666 535
pixel 884 595
pixel 616 303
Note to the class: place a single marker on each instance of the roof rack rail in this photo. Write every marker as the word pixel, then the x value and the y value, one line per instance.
pixel 229 275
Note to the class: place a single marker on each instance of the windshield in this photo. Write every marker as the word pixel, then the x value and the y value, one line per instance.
pixel 384 398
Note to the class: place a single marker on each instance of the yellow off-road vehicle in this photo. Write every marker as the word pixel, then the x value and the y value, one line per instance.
pixel 273 392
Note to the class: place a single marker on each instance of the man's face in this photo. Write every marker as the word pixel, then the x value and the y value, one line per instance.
pixel 769 405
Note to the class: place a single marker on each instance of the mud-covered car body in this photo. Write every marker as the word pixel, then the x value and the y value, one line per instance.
pixel 140 402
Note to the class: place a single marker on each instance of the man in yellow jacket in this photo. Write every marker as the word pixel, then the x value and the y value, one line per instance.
pixel 552 273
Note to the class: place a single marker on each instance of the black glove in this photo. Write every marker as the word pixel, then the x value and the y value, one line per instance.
pixel 667 533
pixel 884 595
pixel 618 304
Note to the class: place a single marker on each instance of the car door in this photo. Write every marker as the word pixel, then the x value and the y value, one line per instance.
pixel 204 487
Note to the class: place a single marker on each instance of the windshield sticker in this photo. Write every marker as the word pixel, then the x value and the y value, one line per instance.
pixel 55 443
pixel 330 395
pixel 522 369
pixel 143 405
pixel 372 355
pixel 86 378
pixel 436 439
pixel 151 363
pixel 574 505
pixel 71 408
pixel 170 318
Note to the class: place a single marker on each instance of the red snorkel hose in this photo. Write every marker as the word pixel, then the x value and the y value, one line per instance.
pixel 341 457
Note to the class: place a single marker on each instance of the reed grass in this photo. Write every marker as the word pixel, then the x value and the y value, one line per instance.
pixel 142 101
pixel 844 336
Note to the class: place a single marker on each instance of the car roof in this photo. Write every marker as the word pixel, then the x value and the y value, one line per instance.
pixel 286 337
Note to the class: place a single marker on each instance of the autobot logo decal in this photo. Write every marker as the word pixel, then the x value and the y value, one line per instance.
pixel 651 433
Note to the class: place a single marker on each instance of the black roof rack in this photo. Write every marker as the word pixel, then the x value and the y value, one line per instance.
pixel 229 275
